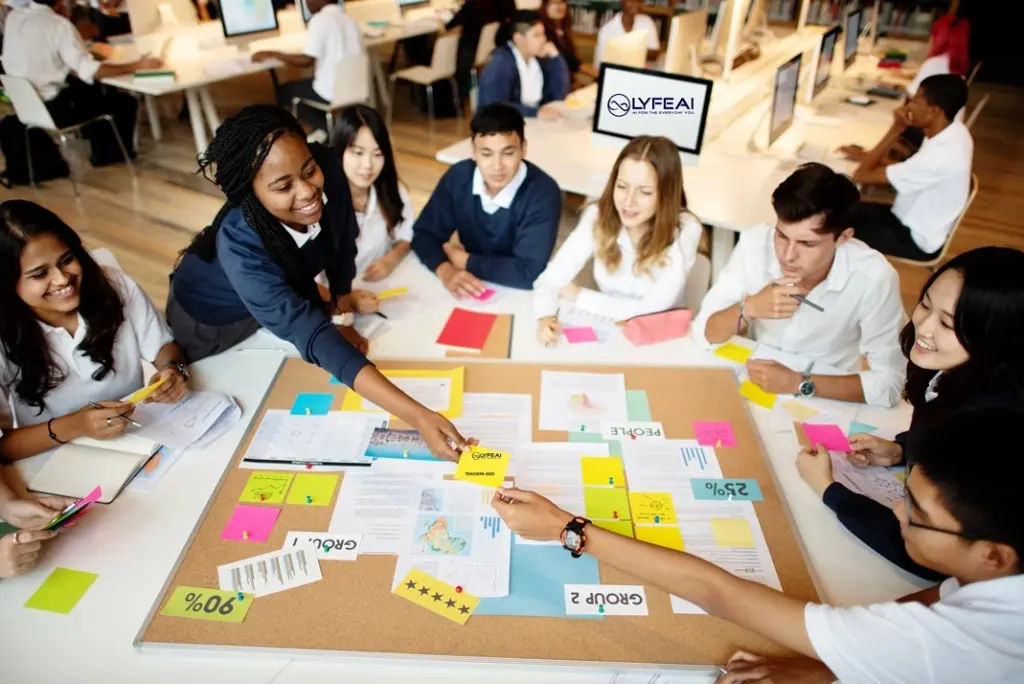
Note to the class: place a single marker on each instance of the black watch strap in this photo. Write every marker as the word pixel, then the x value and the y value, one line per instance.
pixel 575 526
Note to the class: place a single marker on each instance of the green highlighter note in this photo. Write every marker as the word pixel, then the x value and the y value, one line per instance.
pixel 61 591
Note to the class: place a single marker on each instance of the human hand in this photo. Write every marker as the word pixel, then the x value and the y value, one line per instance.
pixel 30 514
pixel 870 450
pixel 148 63
pixel 461 283
pixel 548 330
pixel 853 152
pixel 173 390
pixel 549 113
pixel 903 117
pixel 19 551
pixel 364 302
pixel 550 50
pixel 361 344
pixel 262 56
pixel 439 435
pixel 101 423
pixel 773 377
pixel 529 514
pixel 775 300
pixel 457 254
pixel 570 292
pixel 815 467
pixel 380 269
pixel 747 667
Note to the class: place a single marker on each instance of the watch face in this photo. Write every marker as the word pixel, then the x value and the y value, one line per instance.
pixel 572 540
pixel 806 388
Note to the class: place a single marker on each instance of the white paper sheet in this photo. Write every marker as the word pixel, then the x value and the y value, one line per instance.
pixel 499 421
pixel 272 572
pixel 605 599
pixel 337 437
pixel 380 507
pixel 874 482
pixel 668 466
pixel 571 401
pixel 434 393
pixel 181 425
pixel 336 547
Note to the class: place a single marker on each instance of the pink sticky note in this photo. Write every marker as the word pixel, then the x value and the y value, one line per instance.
pixel 250 523
pixel 829 436
pixel 582 334
pixel 486 295
pixel 714 433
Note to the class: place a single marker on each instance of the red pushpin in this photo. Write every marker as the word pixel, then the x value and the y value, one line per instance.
pixel 458 590
pixel 245 534
pixel 615 514
pixel 263 497
pixel 309 466
pixel 632 436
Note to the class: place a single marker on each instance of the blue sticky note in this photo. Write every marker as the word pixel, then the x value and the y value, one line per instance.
pixel 307 404
pixel 335 381
pixel 859 428
pixel 537 579
pixel 614 448
pixel 637 407
pixel 726 489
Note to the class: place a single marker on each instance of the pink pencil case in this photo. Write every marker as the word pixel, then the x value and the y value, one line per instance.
pixel 657 327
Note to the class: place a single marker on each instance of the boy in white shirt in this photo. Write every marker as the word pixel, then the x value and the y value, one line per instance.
pixel 806 287
pixel 628 20
pixel 956 518
pixel 931 186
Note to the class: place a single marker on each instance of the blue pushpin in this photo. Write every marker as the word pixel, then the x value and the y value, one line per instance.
pixel 241 596
pixel 657 519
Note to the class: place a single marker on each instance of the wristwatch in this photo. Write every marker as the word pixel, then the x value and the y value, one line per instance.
pixel 806 386
pixel 345 320
pixel 178 366
pixel 573 537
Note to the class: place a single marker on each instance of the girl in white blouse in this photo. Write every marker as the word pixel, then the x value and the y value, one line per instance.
pixel 640 235
pixel 71 335
pixel 382 204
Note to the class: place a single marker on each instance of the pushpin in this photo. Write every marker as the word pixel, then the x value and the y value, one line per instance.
pixel 583 428
pixel 308 412
pixel 611 480
pixel 263 497
pixel 600 609
pixel 632 436
pixel 245 534
pixel 309 466
pixel 405 453
pixel 718 444
pixel 657 519
pixel 241 596
pixel 615 514
pixel 309 499
pixel 458 590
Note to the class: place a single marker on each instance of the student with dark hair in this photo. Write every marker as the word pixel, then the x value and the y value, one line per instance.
pixel 111 18
pixel 964 349
pixel 630 19
pixel 811 253
pixel 558 26
pixel 526 71
pixel 71 334
pixel 956 518
pixel 506 224
pixel 931 186
pixel 471 18
pixel 288 219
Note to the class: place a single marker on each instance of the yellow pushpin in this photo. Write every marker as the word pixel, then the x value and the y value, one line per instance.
pixel 308 412
pixel 405 453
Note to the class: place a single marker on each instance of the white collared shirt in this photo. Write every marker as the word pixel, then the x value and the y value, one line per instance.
pixel 301 239
pixel 863 312
pixel 531 78
pixel 374 241
pixel 43 47
pixel 504 198
pixel 932 186
pixel 613 28
pixel 140 338
pixel 622 293
pixel 331 36
pixel 18 4
pixel 973 633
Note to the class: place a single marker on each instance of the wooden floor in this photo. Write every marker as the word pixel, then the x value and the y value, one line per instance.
pixel 147 220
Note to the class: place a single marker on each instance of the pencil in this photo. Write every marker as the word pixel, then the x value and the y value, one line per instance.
pixel 124 418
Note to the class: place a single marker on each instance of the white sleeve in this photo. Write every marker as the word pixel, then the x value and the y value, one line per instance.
pixel 731 285
pixel 924 169
pixel 151 332
pixel 403 231
pixel 653 43
pixel 316 37
pixel 881 319
pixel 571 257
pixel 73 53
pixel 602 38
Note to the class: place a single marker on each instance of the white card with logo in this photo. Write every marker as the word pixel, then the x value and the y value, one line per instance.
pixel 339 547
pixel 605 599
pixel 633 430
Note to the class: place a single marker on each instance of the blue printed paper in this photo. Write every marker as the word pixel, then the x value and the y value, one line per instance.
pixel 859 428
pixel 726 489
pixel 637 407
pixel 307 404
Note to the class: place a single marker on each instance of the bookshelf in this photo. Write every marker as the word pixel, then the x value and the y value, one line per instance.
pixel 903 19
pixel 588 16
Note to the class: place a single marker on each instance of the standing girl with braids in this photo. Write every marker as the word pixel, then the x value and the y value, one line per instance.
pixel 288 222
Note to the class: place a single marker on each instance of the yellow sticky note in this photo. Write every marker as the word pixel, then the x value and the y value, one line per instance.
pixel 734 352
pixel 439 391
pixel 393 292
pixel 61 591
pixel 483 466
pixel 799 411
pixel 662 535
pixel 623 527
pixel 266 487
pixel 609 504
pixel 208 604
pixel 652 507
pixel 141 395
pixel 757 395
pixel 603 470
pixel 436 596
pixel 734 532
pixel 312 490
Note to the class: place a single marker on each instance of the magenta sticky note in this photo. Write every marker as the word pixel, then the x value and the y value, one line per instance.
pixel 829 436
pixel 714 433
pixel 250 523
pixel 582 334
pixel 486 295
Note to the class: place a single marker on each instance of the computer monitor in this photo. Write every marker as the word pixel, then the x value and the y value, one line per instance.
pixel 632 102
pixel 719 39
pixel 821 67
pixel 627 50
pixel 757 18
pixel 248 19
pixel 787 79
pixel 851 34
pixel 685 36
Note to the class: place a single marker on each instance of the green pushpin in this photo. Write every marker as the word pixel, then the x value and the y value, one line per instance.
pixel 600 609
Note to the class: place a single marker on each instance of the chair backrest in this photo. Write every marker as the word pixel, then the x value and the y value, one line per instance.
pixel 28 105
pixel 941 256
pixel 352 83
pixel 976 112
pixel 446 53
pixel 365 11
pixel 485 47
pixel 628 50
pixel 697 283
pixel 973 74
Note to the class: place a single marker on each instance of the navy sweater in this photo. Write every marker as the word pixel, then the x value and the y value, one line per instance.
pixel 499 81
pixel 510 247
pixel 244 281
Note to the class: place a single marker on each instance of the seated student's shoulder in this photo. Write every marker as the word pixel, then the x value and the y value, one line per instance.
pixel 869 266
pixel 122 283
pixel 538 177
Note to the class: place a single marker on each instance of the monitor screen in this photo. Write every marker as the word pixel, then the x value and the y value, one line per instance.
pixel 851 36
pixel 787 78
pixel 242 17
pixel 632 102
pixel 403 3
pixel 826 53
pixel 306 15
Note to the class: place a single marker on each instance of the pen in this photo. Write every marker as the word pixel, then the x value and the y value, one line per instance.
pixel 309 463
pixel 381 315
pixel 124 418
pixel 805 300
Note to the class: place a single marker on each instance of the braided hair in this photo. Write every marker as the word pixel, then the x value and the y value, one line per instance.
pixel 232 161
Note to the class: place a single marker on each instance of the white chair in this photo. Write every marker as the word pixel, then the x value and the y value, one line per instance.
pixel 697 283
pixel 973 74
pixel 351 86
pixel 32 112
pixel 976 111
pixel 442 68
pixel 486 45
pixel 941 256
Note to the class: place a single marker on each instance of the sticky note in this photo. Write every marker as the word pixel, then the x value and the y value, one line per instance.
pixel 829 436
pixel 208 604
pixel 652 508
pixel 579 335
pixel 726 489
pixel 623 527
pixel 486 295
pixel 798 410
pixel 714 433
pixel 734 352
pixel 311 489
pixel 266 487
pixel 637 406
pixel 603 470
pixel 61 591
pixel 334 381
pixel 757 395
pixel 307 404
pixel 611 504
pixel 662 535
pixel 860 428
pixel 250 523
pixel 483 466
pixel 393 292
pixel 436 596
pixel 141 395
pixel 733 532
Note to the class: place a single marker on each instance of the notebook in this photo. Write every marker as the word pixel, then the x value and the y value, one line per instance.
pixel 76 469
pixel 466 330
pixel 498 344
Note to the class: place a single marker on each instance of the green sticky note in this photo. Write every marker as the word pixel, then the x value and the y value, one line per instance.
pixel 614 448
pixel 637 407
pixel 606 502
pixel 312 490
pixel 208 604
pixel 266 487
pixel 623 527
pixel 61 591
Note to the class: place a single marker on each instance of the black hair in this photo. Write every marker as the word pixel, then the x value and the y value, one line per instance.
pixel 948 92
pixel 346 128
pixel 987 321
pixel 234 157
pixel 498 118
pixel 816 190
pixel 987 507
pixel 35 371
pixel 48 3
pixel 521 21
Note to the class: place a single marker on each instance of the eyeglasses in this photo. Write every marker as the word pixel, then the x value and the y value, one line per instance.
pixel 908 502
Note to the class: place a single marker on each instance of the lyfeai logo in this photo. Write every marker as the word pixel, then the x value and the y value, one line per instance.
pixel 619 105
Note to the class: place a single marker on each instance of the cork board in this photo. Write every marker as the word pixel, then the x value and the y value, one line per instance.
pixel 352 611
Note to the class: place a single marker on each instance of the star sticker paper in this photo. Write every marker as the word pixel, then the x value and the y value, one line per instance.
pixel 436 596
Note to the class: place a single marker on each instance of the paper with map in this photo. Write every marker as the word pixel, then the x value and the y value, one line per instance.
pixel 380 507
pixel 581 401
pixel 458 538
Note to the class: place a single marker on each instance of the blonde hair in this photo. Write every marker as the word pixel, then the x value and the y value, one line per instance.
pixel 662 155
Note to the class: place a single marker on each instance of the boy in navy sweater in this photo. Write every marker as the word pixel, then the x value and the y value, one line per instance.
pixel 507 224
